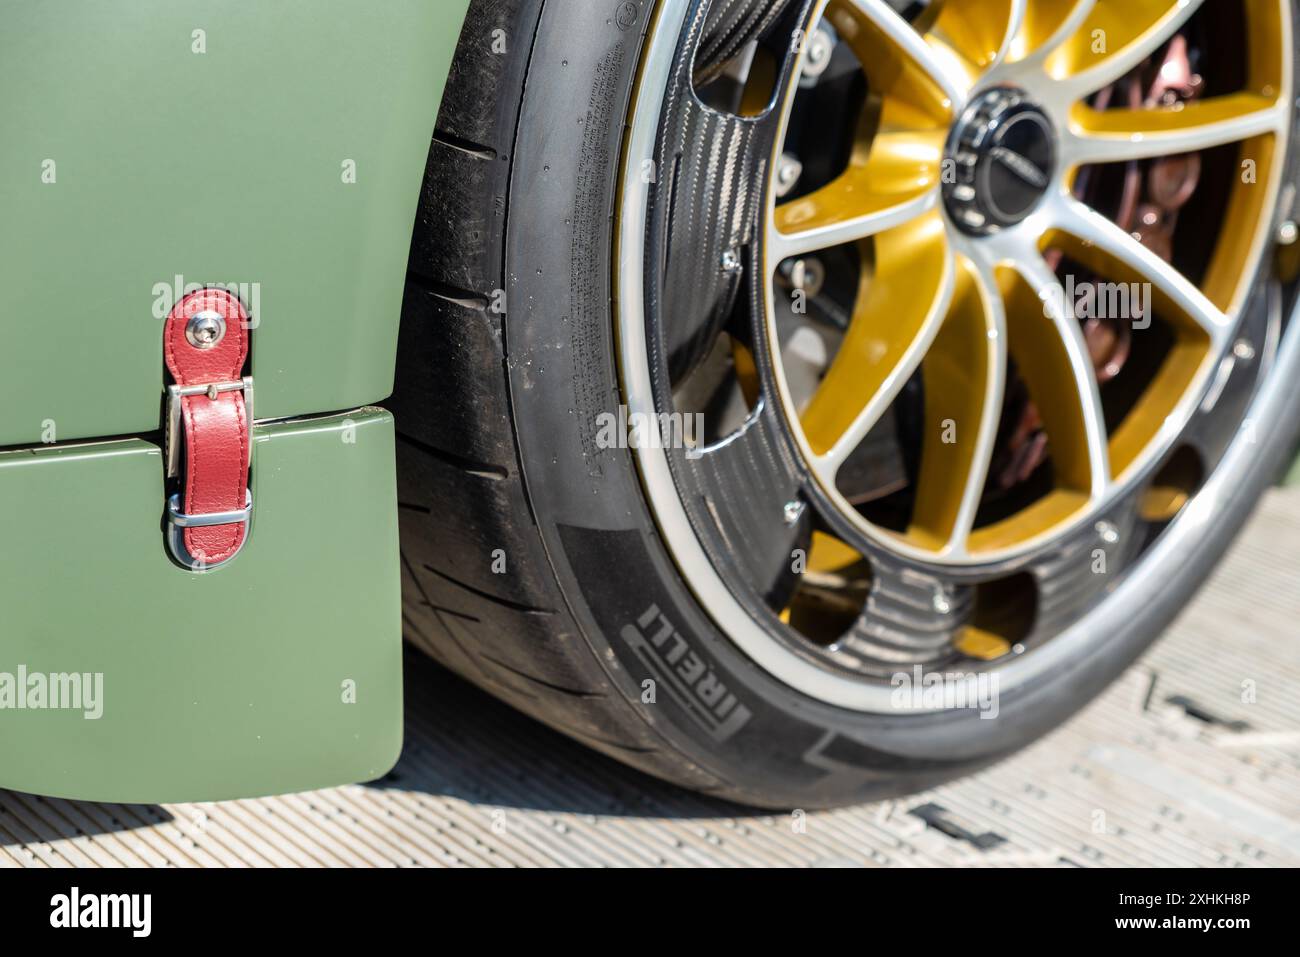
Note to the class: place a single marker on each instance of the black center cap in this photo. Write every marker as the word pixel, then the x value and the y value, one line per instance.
pixel 999 162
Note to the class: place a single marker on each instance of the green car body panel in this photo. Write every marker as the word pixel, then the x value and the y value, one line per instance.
pixel 155 145
pixel 224 166
pixel 278 671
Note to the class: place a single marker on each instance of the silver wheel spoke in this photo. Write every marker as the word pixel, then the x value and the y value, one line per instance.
pixel 1132 55
pixel 783 245
pixel 828 464
pixel 1014 24
pixel 1089 226
pixel 990 414
pixel 898 31
pixel 1031 265
pixel 1028 71
pixel 1258 115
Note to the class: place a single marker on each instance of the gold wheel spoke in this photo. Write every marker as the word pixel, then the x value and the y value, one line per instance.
pixel 894 180
pixel 1199 328
pixel 975 35
pixel 1045 26
pixel 893 173
pixel 1115 37
pixel 1115 135
pixel 899 307
pixel 842 212
pixel 898 60
pixel 965 375
pixel 1111 252
pixel 1052 356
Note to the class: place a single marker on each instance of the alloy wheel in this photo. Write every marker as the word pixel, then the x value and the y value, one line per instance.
pixel 966 293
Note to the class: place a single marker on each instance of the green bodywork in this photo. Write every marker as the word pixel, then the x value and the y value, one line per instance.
pixel 224 166
pixel 215 142
pixel 215 685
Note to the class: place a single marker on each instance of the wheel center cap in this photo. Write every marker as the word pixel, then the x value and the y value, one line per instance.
pixel 999 161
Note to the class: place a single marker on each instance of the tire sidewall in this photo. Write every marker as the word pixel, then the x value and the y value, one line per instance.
pixel 635 612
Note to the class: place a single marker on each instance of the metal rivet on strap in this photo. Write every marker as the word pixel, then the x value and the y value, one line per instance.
pixel 205 329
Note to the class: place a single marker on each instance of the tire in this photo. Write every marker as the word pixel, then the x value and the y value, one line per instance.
pixel 535 566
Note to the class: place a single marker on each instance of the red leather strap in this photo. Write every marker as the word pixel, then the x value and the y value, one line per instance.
pixel 215 430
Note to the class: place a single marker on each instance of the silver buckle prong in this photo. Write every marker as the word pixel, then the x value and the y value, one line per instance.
pixel 172 434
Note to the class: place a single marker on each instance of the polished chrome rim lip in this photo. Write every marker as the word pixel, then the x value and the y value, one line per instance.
pixel 1015 245
pixel 1104 623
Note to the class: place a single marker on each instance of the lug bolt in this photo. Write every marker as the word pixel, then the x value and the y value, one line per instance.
pixel 820 48
pixel 788 171
pixel 804 273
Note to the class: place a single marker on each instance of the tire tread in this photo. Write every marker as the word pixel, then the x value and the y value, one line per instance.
pixel 458 465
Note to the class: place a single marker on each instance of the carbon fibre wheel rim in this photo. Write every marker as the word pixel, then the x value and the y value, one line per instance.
pixel 924 588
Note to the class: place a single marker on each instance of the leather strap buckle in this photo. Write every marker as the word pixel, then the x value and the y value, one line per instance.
pixel 208 432
pixel 178 521
pixel 172 431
